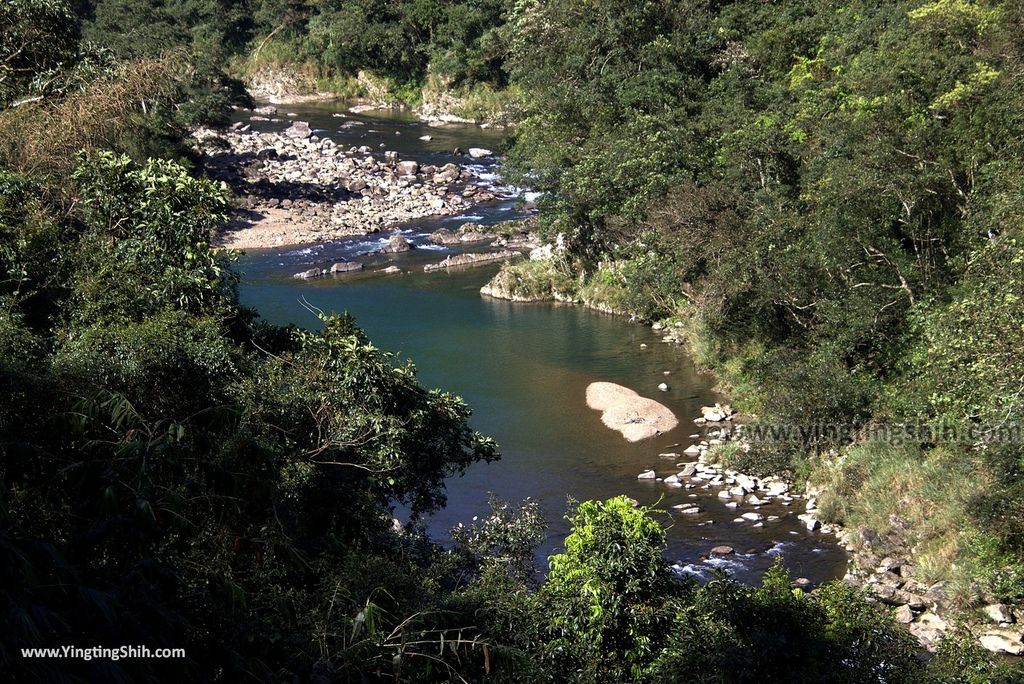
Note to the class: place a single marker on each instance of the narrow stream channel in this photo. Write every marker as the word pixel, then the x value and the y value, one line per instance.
pixel 523 368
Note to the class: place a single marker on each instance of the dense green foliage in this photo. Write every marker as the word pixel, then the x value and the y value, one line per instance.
pixel 461 41
pixel 36 40
pixel 186 474
pixel 827 193
pixel 823 192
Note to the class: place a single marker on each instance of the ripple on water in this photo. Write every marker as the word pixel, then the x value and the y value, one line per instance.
pixel 463 218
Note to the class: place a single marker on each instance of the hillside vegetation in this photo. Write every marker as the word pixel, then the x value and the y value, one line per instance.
pixel 828 195
pixel 177 473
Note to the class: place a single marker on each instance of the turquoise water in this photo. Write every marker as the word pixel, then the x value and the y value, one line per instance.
pixel 524 369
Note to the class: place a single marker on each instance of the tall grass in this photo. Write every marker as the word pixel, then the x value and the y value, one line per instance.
pixel 44 136
pixel 306 76
pixel 879 485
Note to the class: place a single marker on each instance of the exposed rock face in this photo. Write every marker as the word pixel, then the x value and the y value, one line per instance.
pixel 471 259
pixel 397 244
pixel 624 410
pixel 310 274
pixel 377 89
pixel 541 253
pixel 283 85
pixel 300 130
pixel 1003 640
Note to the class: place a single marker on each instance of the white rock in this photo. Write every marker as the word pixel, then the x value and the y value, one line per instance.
pixel 541 253
pixel 746 482
pixel 479 152
pixel 663 387
pixel 1002 641
pixel 997 612
pixel 810 521
pixel 752 517
pixel 647 475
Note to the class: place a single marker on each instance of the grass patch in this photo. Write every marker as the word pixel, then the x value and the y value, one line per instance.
pixel 878 485
pixel 754 460
pixel 606 289
pixel 484 102
pixel 535 280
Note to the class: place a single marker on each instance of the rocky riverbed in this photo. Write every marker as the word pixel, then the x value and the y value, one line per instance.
pixel 880 564
pixel 299 187
pixel 757 502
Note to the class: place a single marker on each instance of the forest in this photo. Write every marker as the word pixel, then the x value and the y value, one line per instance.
pixel 825 195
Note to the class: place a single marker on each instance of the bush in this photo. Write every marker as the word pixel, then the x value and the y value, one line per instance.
pixel 605 595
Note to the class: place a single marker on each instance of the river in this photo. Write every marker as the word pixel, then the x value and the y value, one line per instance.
pixel 522 368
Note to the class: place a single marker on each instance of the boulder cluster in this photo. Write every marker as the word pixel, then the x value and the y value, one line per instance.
pixel 327 191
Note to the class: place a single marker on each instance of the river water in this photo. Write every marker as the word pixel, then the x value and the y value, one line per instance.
pixel 522 368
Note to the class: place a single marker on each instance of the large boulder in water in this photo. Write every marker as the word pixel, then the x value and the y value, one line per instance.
pixel 346 267
pixel 299 129
pixel 396 244
pixel 310 274
pixel 624 410
pixel 479 152
pixel 444 236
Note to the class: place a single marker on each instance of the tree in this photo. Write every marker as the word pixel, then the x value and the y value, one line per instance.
pixel 37 39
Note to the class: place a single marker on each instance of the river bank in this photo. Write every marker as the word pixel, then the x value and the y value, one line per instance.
pixel 881 561
pixel 438 101
pixel 298 186
pixel 525 369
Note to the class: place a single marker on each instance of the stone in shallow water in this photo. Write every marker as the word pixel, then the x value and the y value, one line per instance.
pixel 346 266
pixel 722 550
pixel 624 410
pixel 299 129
